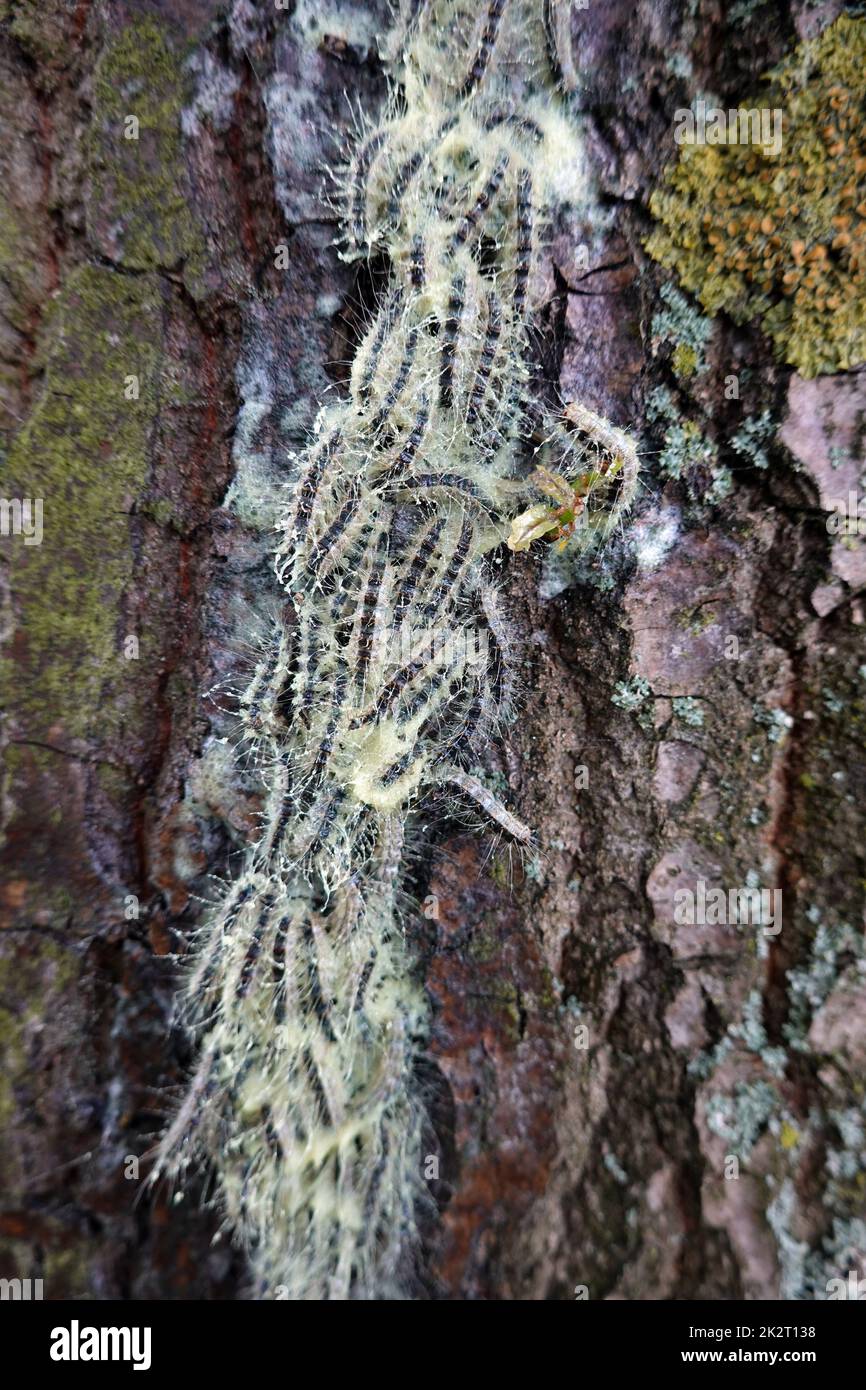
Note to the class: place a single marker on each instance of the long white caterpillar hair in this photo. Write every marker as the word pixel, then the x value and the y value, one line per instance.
pixel 389 671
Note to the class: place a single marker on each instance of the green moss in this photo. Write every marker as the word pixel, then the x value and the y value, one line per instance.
pixel 500 871
pixel 19 268
pixel 141 183
pixel 548 999
pixel 684 360
pixel 484 945
pixel 782 238
pixel 67 1273
pixel 162 511
pixel 84 450
pixel 507 997
pixel 696 620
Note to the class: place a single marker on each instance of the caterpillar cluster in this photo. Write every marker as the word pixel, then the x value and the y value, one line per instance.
pixel 389 671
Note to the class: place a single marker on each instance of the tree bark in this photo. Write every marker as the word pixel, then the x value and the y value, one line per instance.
pixel 172 312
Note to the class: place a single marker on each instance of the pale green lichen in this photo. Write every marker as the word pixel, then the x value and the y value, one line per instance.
pixel 744 1111
pixel 777 722
pixel 752 438
pixel 809 985
pixel 747 1032
pixel 631 694
pixel 681 325
pixel 744 10
pixel 689 710
pixel 741 1118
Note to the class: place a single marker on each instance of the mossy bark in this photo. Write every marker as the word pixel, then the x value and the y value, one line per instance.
pixel 594 1065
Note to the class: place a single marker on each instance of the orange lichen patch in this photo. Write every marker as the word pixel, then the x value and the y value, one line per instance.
pixel 14 893
pixel 780 235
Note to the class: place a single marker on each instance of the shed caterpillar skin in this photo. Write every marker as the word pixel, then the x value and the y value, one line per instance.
pixel 302 993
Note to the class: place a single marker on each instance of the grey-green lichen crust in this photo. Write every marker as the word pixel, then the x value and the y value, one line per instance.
pixel 102 328
pixel 138 202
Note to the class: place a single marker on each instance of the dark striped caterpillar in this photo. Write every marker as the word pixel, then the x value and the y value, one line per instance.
pixel 302 994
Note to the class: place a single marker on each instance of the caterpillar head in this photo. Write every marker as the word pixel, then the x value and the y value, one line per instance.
pixel 587 470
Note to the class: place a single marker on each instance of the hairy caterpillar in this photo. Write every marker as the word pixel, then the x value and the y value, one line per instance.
pixel 302 994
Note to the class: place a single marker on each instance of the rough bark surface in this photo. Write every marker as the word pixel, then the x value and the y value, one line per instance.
pixel 593 1066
